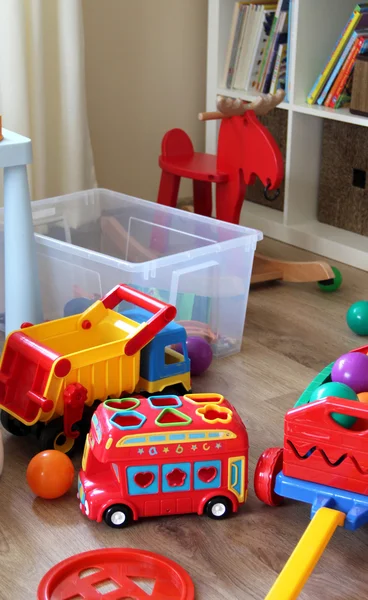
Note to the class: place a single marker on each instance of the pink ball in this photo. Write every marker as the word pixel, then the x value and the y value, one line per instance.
pixel 352 369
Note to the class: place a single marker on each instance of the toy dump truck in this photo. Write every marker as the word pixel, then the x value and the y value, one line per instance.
pixel 52 374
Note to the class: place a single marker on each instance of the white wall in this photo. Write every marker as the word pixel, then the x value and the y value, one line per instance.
pixel 146 68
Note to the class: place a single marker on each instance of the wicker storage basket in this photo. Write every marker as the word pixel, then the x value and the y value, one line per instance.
pixel 343 186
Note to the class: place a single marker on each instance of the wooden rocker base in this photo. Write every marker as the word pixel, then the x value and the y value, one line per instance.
pixel 271 269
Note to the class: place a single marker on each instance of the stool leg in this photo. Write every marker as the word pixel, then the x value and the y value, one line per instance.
pixel 229 199
pixel 202 198
pixel 22 287
pixel 169 189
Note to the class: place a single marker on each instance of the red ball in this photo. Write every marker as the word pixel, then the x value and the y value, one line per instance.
pixel 50 474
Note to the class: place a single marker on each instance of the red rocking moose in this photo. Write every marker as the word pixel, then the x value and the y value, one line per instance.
pixel 246 150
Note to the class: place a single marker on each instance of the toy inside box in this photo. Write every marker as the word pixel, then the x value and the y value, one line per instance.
pixel 90 241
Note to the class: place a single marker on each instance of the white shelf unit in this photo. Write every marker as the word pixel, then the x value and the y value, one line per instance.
pixel 314 30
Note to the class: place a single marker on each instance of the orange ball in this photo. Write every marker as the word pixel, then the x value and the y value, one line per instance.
pixel 50 474
pixel 363 397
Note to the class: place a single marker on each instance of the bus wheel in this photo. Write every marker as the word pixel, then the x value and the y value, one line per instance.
pixel 118 516
pixel 13 426
pixel 218 507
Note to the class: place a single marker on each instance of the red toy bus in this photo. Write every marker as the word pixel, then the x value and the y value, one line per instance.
pixel 164 455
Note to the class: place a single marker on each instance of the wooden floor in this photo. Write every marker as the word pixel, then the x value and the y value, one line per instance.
pixel 292 331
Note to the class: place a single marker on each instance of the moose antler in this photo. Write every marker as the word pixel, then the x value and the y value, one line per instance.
pixel 230 107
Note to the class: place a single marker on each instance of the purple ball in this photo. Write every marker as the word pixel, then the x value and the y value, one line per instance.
pixel 200 354
pixel 352 369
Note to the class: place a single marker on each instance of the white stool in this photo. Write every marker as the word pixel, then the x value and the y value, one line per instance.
pixel 22 285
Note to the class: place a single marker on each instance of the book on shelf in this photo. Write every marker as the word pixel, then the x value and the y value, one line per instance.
pixel 230 60
pixel 357 19
pixel 345 96
pixel 243 47
pixel 257 46
pixel 266 20
pixel 288 52
pixel 279 73
pixel 326 95
pixel 360 46
pixel 236 39
pixel 279 26
pixel 281 40
pixel 337 69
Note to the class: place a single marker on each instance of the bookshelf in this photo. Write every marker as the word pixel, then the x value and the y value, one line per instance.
pixel 316 24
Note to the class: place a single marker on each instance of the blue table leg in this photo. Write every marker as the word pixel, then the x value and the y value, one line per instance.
pixel 22 288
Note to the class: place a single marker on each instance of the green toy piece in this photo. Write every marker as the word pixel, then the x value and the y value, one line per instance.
pixel 357 317
pixel 338 390
pixel 331 285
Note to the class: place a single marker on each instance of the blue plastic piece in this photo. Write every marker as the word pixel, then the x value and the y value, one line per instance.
pixel 355 506
pixel 136 490
pixel 199 484
pixel 167 469
pixel 153 366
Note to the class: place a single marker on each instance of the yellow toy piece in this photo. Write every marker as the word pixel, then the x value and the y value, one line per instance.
pixel 306 555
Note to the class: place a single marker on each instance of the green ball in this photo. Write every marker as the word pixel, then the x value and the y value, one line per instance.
pixel 331 285
pixel 357 317
pixel 338 390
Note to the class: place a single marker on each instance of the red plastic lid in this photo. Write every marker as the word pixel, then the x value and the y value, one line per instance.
pixel 116 574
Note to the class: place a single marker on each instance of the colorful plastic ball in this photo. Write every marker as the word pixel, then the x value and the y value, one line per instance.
pixel 338 390
pixel 200 354
pixel 50 474
pixel 357 317
pixel 363 397
pixel 352 369
pixel 331 285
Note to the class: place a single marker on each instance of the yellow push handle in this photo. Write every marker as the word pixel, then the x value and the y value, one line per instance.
pixel 306 555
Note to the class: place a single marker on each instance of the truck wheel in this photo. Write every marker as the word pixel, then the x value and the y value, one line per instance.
pixel 52 437
pixel 13 426
pixel 118 516
pixel 218 508
pixel 268 467
pixel 175 390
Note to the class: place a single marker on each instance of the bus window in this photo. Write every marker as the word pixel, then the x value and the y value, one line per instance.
pixel 207 474
pixel 173 356
pixel 142 480
pixel 85 452
pixel 97 426
pixel 237 477
pixel 115 468
pixel 176 477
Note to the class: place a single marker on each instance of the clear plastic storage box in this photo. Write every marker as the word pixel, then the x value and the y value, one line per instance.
pixel 88 242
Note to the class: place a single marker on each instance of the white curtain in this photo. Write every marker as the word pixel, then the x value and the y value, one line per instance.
pixel 42 91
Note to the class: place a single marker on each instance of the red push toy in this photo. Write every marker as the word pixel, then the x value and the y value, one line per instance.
pixel 323 462
pixel 116 573
pixel 164 455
